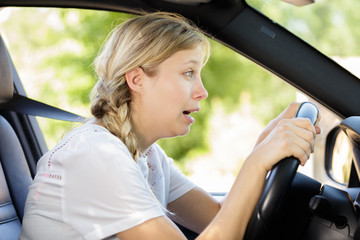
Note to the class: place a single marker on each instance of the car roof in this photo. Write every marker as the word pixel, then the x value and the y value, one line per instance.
pixel 248 32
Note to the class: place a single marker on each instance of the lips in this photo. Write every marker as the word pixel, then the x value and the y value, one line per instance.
pixel 187 113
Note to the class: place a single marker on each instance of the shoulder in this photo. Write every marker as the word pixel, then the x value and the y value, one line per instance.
pixel 91 133
pixel 88 143
pixel 92 137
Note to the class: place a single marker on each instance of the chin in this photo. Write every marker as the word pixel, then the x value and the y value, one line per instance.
pixel 181 132
pixel 176 131
pixel 185 131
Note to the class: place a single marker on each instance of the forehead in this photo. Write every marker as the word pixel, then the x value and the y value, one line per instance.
pixel 189 56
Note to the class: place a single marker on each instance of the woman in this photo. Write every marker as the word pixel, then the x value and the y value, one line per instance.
pixel 108 178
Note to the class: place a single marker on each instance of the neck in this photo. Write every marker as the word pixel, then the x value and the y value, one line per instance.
pixel 143 142
pixel 142 129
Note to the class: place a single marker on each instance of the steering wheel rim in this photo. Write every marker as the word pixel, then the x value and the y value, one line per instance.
pixel 276 186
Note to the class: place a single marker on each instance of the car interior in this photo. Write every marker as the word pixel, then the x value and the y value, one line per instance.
pixel 15 174
pixel 306 209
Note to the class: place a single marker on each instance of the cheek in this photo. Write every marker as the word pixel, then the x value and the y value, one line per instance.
pixel 178 97
pixel 176 90
pixel 170 94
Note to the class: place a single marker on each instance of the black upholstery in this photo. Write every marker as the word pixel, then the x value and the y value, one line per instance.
pixel 15 176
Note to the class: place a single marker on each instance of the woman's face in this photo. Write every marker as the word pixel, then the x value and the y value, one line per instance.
pixel 169 97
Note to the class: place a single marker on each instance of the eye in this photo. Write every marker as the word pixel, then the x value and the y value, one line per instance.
pixel 189 74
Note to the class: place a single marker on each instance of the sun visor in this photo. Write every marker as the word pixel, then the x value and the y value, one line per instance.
pixel 6 79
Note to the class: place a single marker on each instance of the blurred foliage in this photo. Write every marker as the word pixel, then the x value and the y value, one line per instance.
pixel 60 46
pixel 330 26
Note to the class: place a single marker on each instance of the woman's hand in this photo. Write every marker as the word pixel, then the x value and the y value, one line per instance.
pixel 288 113
pixel 286 136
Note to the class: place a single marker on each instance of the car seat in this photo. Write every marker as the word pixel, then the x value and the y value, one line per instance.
pixel 15 176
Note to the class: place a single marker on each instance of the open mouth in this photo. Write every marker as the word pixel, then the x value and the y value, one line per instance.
pixel 189 118
pixel 188 112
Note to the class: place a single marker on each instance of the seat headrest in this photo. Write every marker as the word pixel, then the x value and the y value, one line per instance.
pixel 6 78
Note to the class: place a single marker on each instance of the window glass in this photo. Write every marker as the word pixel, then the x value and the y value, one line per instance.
pixel 329 26
pixel 53 50
pixel 53 54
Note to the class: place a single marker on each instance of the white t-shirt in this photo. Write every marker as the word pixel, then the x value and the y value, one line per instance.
pixel 89 187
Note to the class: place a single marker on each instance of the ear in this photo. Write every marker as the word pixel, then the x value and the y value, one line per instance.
pixel 135 78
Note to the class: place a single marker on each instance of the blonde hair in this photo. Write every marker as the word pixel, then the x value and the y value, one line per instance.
pixel 144 42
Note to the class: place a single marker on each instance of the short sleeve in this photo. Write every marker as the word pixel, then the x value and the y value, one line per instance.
pixel 105 191
pixel 178 183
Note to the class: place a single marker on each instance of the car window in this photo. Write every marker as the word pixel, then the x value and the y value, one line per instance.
pixel 53 54
pixel 329 26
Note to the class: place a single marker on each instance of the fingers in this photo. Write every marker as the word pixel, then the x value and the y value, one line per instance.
pixel 286 136
pixel 317 127
pixel 290 111
pixel 301 150
pixel 304 124
pixel 301 126
pixel 298 138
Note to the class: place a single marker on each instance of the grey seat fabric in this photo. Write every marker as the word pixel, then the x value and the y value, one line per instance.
pixel 15 176
pixel 10 225
pixel 15 168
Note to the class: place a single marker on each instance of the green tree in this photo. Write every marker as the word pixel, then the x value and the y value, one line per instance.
pixel 331 26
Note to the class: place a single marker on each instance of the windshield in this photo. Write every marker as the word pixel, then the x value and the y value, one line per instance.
pixel 330 26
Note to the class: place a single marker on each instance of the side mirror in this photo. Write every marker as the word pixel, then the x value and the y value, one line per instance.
pixel 338 156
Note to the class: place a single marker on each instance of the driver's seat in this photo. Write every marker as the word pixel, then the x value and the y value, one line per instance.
pixel 15 176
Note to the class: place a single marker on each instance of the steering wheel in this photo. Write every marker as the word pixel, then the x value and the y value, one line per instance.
pixel 277 185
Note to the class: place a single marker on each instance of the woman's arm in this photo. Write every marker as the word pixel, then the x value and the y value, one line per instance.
pixel 232 219
pixel 194 210
pixel 160 228
pixel 290 137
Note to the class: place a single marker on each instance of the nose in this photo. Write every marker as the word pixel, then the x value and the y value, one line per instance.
pixel 199 92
